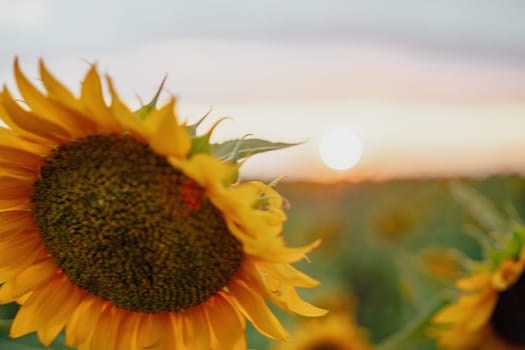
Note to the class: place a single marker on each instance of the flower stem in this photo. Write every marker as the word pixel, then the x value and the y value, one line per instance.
pixel 414 330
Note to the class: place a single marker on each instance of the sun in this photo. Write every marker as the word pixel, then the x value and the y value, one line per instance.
pixel 340 149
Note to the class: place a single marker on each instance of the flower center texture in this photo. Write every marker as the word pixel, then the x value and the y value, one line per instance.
pixel 508 318
pixel 123 224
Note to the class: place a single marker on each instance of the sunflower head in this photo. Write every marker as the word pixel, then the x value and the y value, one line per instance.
pixel 131 230
pixel 488 312
pixel 335 331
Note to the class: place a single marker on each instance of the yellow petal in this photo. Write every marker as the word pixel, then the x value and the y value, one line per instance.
pixel 15 251
pixel 83 321
pixel 29 176
pixel 105 335
pixel 288 299
pixel 10 140
pixel 280 292
pixel 13 157
pixel 238 203
pixel 272 212
pixel 459 311
pixel 46 108
pixel 224 323
pixel 65 307
pixel 13 187
pixel 93 100
pixel 507 274
pixel 127 119
pixel 15 204
pixel 168 342
pixel 271 248
pixel 31 278
pixel 176 325
pixel 6 118
pixel 186 330
pixel 294 276
pixel 150 332
pixel 196 321
pixel 21 262
pixel 128 330
pixel 474 282
pixel 49 333
pixel 57 90
pixel 167 136
pixel 23 299
pixel 483 312
pixel 32 124
pixel 207 171
pixel 155 118
pixel 43 304
pixel 255 309
pixel 15 220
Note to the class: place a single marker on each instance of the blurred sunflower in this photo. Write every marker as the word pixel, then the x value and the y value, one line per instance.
pixel 392 223
pixel 488 314
pixel 126 230
pixel 335 331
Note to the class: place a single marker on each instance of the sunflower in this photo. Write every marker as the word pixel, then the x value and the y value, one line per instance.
pixel 488 313
pixel 124 229
pixel 336 331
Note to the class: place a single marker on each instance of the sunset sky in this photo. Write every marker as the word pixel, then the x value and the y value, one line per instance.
pixel 430 88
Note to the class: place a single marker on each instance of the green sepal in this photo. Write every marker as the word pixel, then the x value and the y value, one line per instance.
pixel 200 144
pixel 192 128
pixel 262 201
pixel 143 111
pixel 233 150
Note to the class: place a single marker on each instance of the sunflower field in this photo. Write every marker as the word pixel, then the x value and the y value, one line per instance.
pixel 389 257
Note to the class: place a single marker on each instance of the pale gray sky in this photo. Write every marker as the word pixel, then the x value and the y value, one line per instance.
pixel 492 27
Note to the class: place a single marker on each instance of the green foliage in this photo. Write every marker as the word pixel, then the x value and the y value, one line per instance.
pixel 377 263
pixel 480 207
pixel 8 311
pixel 28 342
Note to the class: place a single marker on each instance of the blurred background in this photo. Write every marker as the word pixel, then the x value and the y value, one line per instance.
pixel 392 98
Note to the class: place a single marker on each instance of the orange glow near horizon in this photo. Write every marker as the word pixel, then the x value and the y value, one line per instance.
pixel 399 139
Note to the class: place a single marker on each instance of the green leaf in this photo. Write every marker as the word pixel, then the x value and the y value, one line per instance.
pixel 28 342
pixel 482 209
pixel 507 248
pixel 240 148
pixel 143 111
